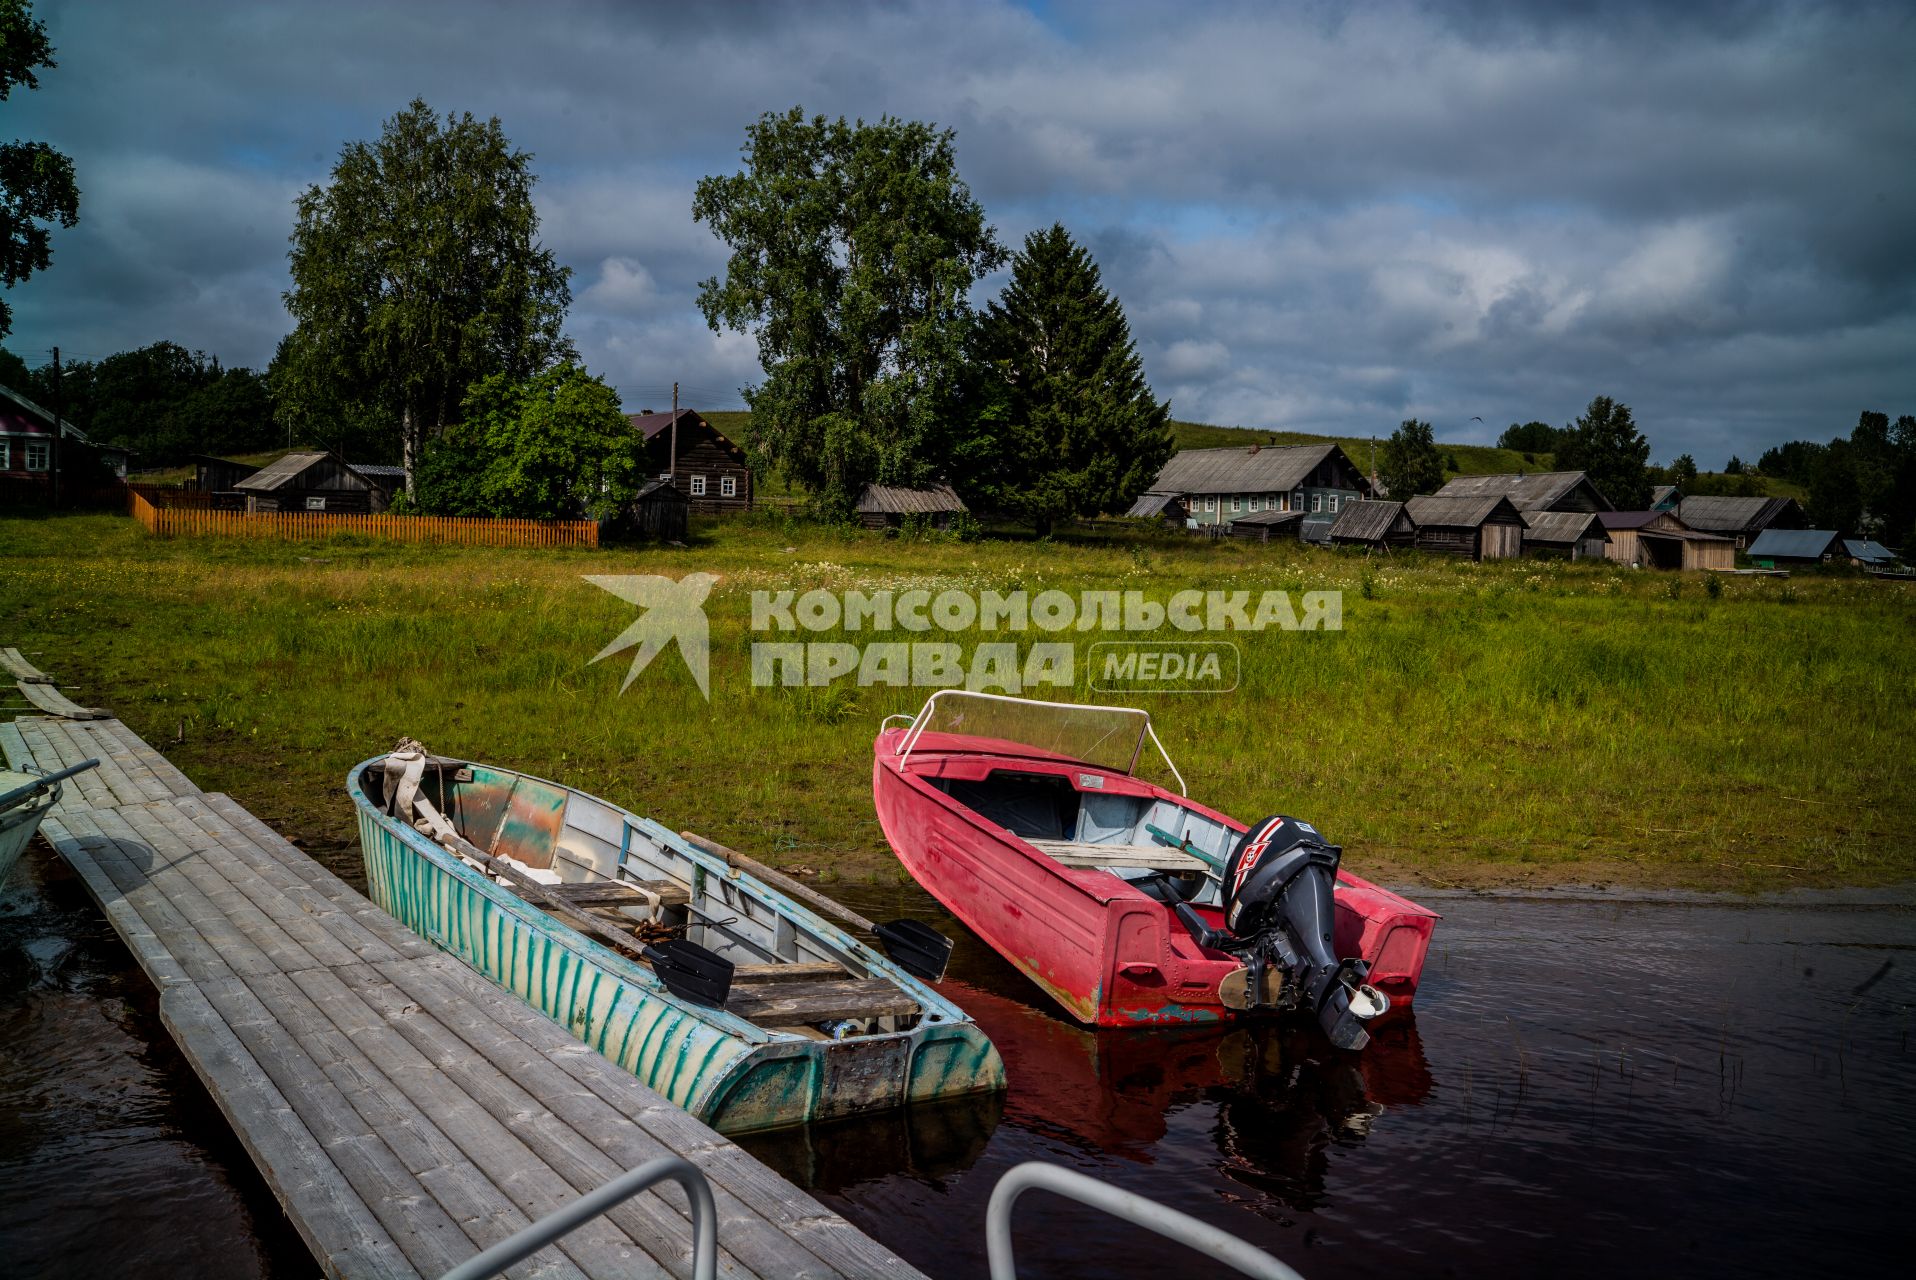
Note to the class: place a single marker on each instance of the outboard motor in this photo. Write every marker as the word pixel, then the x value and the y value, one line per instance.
pixel 1278 916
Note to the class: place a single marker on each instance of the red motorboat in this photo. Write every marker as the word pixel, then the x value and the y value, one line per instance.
pixel 1127 901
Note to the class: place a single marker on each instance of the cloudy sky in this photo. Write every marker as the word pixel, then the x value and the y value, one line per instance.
pixel 1319 217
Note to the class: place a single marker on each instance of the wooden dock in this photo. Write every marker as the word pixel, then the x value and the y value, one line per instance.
pixel 406 1112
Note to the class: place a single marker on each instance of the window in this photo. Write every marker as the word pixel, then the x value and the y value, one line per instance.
pixel 728 486
pixel 1317 502
pixel 1333 504
pixel 1237 502
pixel 315 504
pixel 698 486
pixel 38 454
pixel 1297 500
pixel 1210 502
pixel 1254 502
pixel 6 451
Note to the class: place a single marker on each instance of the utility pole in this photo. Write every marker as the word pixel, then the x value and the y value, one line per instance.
pixel 59 410
pixel 673 468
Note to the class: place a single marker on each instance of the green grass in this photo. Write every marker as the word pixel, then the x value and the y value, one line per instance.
pixel 1503 723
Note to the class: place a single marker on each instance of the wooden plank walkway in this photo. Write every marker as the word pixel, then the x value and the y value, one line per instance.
pixel 406 1112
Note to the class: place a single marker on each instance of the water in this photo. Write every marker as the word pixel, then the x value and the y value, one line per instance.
pixel 1584 1088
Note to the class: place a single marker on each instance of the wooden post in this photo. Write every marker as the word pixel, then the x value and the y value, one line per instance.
pixel 53 458
pixel 672 467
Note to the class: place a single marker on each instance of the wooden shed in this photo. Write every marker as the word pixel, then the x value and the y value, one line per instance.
pixel 1660 540
pixel 708 469
pixel 657 510
pixel 218 475
pixel 1742 520
pixel 883 506
pixel 312 482
pixel 1776 548
pixel 1486 528
pixel 1373 523
pixel 1266 525
pixel 1168 507
pixel 1570 535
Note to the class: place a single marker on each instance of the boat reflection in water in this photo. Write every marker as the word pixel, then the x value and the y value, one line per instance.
pixel 1280 1094
pixel 925 1141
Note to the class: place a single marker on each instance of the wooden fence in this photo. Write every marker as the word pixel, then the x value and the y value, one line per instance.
pixel 304 525
pixel 170 495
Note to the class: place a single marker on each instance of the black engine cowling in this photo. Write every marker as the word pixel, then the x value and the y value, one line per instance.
pixel 1279 910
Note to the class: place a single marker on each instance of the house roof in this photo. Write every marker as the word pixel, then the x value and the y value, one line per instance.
pixel 1269 517
pixel 884 499
pixel 275 475
pixel 1868 552
pixel 1366 520
pixel 1633 519
pixel 661 489
pixel 1793 544
pixel 1459 512
pixel 1259 469
pixel 13 405
pixel 1151 504
pixel 1659 494
pixel 1732 515
pixel 1530 491
pixel 379 471
pixel 651 424
pixel 1563 526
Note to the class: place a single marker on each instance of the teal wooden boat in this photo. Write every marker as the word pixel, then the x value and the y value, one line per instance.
pixel 25 798
pixel 567 900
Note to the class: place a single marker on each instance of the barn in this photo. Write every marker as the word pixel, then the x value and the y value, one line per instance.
pixel 1532 490
pixel 883 506
pixel 312 482
pixel 1266 525
pixel 1660 540
pixel 1741 520
pixel 1485 528
pixel 1374 523
pixel 1572 535
pixel 1777 548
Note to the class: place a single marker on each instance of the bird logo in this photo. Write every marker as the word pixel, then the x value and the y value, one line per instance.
pixel 674 611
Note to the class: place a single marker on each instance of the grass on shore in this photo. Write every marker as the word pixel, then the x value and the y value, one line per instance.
pixel 1522 722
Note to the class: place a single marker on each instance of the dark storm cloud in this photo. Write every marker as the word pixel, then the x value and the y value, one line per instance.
pixel 1320 217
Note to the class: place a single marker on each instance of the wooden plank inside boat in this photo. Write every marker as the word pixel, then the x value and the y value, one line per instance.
pixel 1141 857
pixel 606 893
pixel 780 1004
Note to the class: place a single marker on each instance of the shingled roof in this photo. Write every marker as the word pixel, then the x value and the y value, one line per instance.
pixel 1565 527
pixel 1533 491
pixel 1266 469
pixel 1365 521
pixel 884 499
pixel 1738 515
pixel 1453 512
pixel 289 468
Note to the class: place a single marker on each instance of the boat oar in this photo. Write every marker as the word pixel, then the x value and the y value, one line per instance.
pixel 690 972
pixel 913 945
pixel 44 781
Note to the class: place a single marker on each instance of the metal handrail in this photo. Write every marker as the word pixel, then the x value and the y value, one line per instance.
pixel 1182 1227
pixel 922 720
pixel 523 1244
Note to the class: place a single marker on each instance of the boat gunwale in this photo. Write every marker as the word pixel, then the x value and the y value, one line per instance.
pixel 935 1011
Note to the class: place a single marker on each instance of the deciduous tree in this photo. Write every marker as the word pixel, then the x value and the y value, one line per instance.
pixel 1068 425
pixel 854 250
pixel 417 271
pixel 37 186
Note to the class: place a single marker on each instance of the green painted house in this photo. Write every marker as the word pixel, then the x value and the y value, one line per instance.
pixel 1217 486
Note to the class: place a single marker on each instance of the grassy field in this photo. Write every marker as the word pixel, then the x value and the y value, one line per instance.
pixel 1511 723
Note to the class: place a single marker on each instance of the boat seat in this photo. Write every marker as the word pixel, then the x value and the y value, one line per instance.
pixel 622 893
pixel 1140 857
pixel 771 1002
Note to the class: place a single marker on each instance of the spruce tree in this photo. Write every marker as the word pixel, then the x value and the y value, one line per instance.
pixel 1606 445
pixel 1062 422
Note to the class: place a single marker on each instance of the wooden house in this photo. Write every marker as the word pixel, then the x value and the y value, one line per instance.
pixel 1869 554
pixel 1571 535
pixel 1483 528
pixel 1665 497
pixel 1266 525
pixel 1741 520
pixel 1372 523
pixel 1781 548
pixel 883 506
pixel 1532 491
pixel 709 470
pixel 1660 540
pixel 30 451
pixel 312 482
pixel 1221 486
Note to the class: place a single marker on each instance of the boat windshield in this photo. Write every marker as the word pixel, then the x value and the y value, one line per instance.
pixel 1112 737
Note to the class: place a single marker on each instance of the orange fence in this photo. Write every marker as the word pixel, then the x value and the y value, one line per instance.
pixel 303 525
